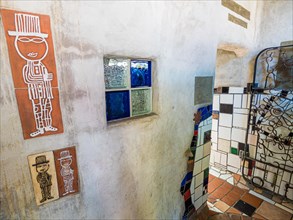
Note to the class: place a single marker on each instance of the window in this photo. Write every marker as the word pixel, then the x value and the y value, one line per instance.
pixel 128 84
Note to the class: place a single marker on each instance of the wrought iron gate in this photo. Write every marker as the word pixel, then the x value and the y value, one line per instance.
pixel 268 157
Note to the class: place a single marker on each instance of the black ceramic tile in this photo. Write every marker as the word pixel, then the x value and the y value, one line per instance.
pixel 241 146
pixel 226 108
pixel 244 207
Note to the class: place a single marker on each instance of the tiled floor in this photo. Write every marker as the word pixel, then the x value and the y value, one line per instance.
pixel 230 195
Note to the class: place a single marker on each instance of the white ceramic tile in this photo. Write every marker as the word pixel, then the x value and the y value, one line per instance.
pixel 252 151
pixel 252 139
pixel 234 160
pixel 197 167
pixel 216 102
pixel 214 146
pixel 261 197
pixel 192 186
pixel 225 120
pixel 232 169
pixel 197 192
pixel 238 135
pixel 248 101
pixel 224 145
pixel 205 197
pixel 199 153
pixel 217 157
pixel 198 203
pixel 235 90
pixel 224 159
pixel 212 157
pixel 284 208
pixel 215 125
pixel 207 148
pixel 286 177
pixel 225 176
pixel 224 133
pixel 240 120
pixel 216 210
pixel 234 144
pixel 214 135
pixel 230 180
pixel 214 172
pixel 244 101
pixel 237 101
pixel 241 110
pixel 226 99
pixel 192 197
pixel 205 162
pixel 198 179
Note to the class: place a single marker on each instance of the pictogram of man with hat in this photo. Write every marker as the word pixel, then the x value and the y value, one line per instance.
pixel 66 171
pixel 43 177
pixel 31 45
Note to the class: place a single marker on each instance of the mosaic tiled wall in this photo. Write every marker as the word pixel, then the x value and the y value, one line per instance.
pixel 229 129
pixel 230 115
pixel 194 185
pixel 199 184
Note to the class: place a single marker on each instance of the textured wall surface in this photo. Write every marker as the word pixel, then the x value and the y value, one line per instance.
pixel 132 169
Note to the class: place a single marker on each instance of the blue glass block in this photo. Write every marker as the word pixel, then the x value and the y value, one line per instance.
pixel 117 105
pixel 141 73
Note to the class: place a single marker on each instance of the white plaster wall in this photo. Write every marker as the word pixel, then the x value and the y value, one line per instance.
pixel 132 170
pixel 278 25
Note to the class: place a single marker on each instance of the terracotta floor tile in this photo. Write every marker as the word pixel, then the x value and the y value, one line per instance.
pixel 272 212
pixel 212 199
pixel 258 217
pixel 214 184
pixel 219 217
pixel 235 217
pixel 252 200
pixel 246 218
pixel 233 211
pixel 211 177
pixel 211 213
pixel 231 198
pixel 288 204
pixel 219 181
pixel 239 190
pixel 222 190
pixel 212 187
pixel 222 206
pixel 236 177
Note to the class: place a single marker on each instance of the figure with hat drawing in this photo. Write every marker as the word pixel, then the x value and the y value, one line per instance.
pixel 43 177
pixel 66 171
pixel 31 45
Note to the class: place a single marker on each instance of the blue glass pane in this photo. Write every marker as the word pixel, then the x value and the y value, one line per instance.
pixel 141 73
pixel 117 105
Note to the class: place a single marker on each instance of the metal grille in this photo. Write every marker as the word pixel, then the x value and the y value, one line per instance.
pixel 270 157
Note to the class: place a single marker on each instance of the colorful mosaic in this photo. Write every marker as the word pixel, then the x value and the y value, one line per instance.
pixel 194 185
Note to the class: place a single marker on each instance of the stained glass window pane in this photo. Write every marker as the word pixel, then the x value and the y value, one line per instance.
pixel 141 101
pixel 117 105
pixel 141 73
pixel 116 72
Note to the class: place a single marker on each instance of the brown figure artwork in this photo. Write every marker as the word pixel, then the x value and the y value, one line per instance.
pixel 34 72
pixel 44 178
pixel 66 170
